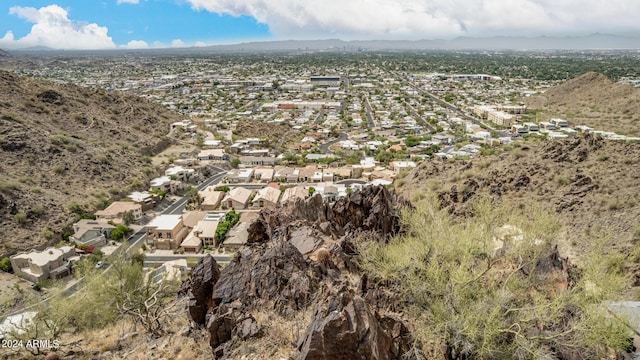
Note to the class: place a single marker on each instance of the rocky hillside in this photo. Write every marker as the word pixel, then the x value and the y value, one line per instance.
pixel 594 100
pixel 591 184
pixel 374 277
pixel 68 149
pixel 300 282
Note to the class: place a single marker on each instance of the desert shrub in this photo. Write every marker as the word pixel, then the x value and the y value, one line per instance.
pixel 8 187
pixel 477 302
pixel 5 264
pixel 21 218
pixel 561 179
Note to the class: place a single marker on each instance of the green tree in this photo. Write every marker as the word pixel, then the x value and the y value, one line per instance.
pixel 312 190
pixel 5 264
pixel 223 188
pixel 235 163
pixel 120 232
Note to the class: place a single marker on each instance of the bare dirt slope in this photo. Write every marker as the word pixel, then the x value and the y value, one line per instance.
pixel 591 184
pixel 269 131
pixel 64 144
pixel 594 100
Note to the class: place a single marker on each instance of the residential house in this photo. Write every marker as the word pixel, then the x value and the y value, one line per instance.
pixel 267 198
pixel 212 154
pixel 330 193
pixel 316 177
pixel 166 232
pixel 179 173
pixel 317 157
pixel 237 198
pixel 301 146
pixel 51 263
pixel 205 230
pixel 340 173
pixel 165 183
pixel 327 175
pixel 210 199
pixel 263 174
pixel 144 198
pixel 560 123
pixel 116 211
pixel 191 218
pixel 293 193
pixel 91 232
pixel 184 125
pixel 307 173
pixel 293 176
pixel 191 244
pixel 237 236
pixel 240 176
pixel 398 166
pixel 257 160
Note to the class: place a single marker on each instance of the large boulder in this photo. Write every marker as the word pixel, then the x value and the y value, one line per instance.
pixel 277 274
pixel 199 288
pixel 345 328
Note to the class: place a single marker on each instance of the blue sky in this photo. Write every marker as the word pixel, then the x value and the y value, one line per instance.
pixel 95 24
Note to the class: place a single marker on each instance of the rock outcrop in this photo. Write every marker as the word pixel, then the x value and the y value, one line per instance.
pixel 346 328
pixel 373 209
pixel 276 274
pixel 199 288
pixel 280 273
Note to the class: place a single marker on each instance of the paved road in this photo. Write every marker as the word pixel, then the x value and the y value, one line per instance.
pixel 178 206
pixel 281 140
pixel 349 182
pixel 367 107
pixel 324 148
pixel 419 118
pixel 319 117
pixel 452 107
pixel 151 260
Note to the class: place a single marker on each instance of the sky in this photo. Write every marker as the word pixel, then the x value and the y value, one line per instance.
pixel 110 24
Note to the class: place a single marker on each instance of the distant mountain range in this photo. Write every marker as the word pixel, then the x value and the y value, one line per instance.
pixel 593 42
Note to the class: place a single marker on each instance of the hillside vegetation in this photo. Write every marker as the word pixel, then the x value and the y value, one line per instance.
pixel 594 100
pixel 590 185
pixel 68 149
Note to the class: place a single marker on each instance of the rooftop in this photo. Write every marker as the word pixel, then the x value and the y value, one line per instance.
pixel 165 222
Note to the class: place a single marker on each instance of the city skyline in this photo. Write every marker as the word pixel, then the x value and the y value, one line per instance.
pixel 139 24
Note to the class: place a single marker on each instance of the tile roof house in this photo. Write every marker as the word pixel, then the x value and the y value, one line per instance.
pixel 116 210
pixel 211 199
pixel 237 198
pixel 267 198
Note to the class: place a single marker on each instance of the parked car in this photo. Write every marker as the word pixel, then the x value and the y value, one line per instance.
pixel 99 264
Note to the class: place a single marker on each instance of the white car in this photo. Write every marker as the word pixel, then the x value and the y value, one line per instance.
pixel 99 264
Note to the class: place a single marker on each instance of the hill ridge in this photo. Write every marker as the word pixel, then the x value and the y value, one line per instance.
pixel 65 144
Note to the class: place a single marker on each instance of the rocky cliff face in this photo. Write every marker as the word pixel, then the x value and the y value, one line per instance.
pixel 280 273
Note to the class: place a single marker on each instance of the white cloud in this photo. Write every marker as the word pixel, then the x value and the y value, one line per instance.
pixel 431 18
pixel 177 43
pixel 128 2
pixel 136 44
pixel 52 28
